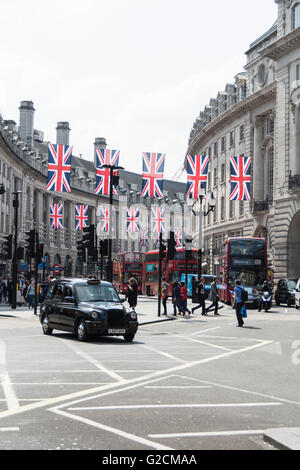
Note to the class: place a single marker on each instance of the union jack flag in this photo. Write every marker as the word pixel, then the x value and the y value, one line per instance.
pixel 105 157
pixel 133 215
pixel 178 237
pixel 81 216
pixel 197 170
pixel 240 169
pixel 59 168
pixel 158 219
pixel 144 238
pixel 153 173
pixel 105 218
pixel 56 215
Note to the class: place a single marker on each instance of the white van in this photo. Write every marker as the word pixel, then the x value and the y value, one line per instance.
pixel 297 295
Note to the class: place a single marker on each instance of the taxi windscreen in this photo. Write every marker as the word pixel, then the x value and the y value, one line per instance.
pixel 97 293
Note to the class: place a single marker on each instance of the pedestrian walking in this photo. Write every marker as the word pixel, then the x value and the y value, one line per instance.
pixel 176 300
pixel 201 296
pixel 238 302
pixel 183 298
pixel 30 295
pixel 132 293
pixel 165 294
pixel 213 297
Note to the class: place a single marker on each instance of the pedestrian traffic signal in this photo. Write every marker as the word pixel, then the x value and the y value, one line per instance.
pixel 30 242
pixel 8 246
pixel 171 246
pixel 104 247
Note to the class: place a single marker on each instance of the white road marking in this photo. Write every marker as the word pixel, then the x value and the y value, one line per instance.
pixel 200 332
pixel 9 429
pixel 178 386
pixel 207 434
pixel 118 432
pixel 9 393
pixel 128 384
pixel 174 405
pixel 169 356
pixel 95 363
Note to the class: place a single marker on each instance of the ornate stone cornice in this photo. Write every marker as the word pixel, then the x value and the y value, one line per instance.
pixel 244 106
pixel 283 46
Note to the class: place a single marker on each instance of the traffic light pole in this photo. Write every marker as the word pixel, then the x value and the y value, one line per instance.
pixel 159 274
pixel 15 259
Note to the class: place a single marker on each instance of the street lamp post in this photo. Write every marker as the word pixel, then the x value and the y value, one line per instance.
pixel 114 180
pixel 15 258
pixel 201 213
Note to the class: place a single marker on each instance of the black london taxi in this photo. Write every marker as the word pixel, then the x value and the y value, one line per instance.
pixel 86 307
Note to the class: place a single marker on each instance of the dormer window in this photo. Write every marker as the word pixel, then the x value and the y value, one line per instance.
pixel 296 16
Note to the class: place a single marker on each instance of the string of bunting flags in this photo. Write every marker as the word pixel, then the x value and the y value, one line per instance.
pixel 59 171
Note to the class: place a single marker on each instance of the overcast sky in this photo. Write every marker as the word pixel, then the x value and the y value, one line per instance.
pixel 136 72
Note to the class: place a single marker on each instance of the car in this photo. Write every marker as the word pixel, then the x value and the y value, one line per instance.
pixel 86 307
pixel 285 292
pixel 297 295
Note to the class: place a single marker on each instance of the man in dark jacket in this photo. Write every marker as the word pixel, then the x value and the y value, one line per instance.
pixel 201 296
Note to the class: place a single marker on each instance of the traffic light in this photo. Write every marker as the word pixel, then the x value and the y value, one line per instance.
pixel 81 253
pixel 39 252
pixel 8 246
pixel 30 242
pixel 171 246
pixel 89 239
pixel 104 247
pixel 162 250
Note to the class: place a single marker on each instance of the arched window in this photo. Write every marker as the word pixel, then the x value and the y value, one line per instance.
pixel 296 16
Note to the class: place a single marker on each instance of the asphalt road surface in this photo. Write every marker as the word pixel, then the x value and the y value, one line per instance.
pixel 196 383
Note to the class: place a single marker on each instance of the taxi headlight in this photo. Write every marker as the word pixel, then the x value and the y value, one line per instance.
pixel 94 315
pixel 133 315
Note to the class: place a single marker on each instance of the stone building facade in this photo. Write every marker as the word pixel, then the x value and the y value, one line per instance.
pixel 24 168
pixel 259 116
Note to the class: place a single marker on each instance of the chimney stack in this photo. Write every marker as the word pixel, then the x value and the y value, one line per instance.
pixel 100 143
pixel 26 122
pixel 63 133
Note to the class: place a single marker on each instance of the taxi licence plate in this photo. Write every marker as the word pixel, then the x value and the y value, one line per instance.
pixel 116 331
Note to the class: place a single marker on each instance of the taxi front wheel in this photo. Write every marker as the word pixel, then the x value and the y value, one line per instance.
pixel 128 338
pixel 45 325
pixel 81 331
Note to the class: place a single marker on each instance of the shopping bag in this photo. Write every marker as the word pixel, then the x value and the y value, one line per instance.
pixel 244 311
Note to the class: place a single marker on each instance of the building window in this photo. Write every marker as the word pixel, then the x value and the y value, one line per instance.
pixel 296 16
pixel 215 177
pixel 222 208
pixel 223 173
pixel 231 139
pixel 223 144
pixel 208 180
pixel 231 209
pixel 271 174
pixel 215 149
pixel 242 133
pixel 241 207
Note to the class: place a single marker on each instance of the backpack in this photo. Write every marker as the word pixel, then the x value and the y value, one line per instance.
pixel 244 295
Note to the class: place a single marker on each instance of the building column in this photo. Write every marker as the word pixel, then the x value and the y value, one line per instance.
pixel 297 141
pixel 258 162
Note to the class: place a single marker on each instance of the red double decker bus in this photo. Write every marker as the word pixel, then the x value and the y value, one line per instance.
pixel 244 259
pixel 127 265
pixel 171 270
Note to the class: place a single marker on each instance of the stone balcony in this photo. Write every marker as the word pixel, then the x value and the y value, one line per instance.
pixel 294 182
